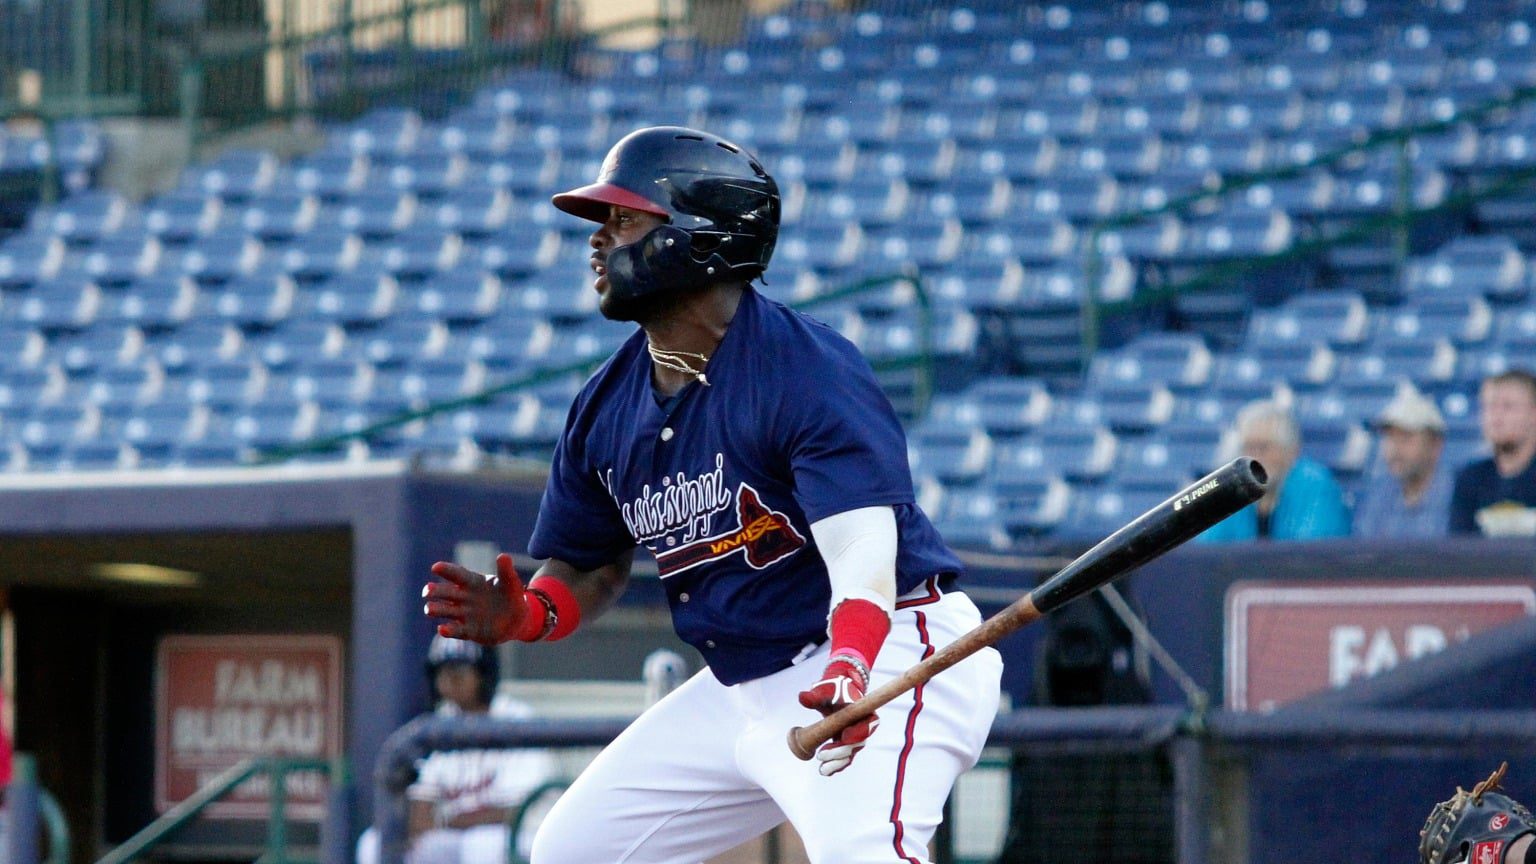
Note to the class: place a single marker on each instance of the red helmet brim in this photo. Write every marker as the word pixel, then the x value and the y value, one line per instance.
pixel 592 202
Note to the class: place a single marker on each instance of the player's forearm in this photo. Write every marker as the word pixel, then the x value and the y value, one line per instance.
pixel 594 590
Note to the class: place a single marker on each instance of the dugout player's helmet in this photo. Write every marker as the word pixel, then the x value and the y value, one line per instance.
pixel 721 207
pixel 445 651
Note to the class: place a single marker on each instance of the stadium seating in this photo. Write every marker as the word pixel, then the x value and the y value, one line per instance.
pixel 412 259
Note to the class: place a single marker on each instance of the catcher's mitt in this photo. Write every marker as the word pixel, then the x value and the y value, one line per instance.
pixel 1474 827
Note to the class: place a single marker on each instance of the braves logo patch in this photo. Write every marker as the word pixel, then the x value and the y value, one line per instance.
pixel 764 536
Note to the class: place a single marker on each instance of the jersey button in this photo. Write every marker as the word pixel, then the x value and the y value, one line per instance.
pixel 666 433
pixel 683 597
pixel 709 643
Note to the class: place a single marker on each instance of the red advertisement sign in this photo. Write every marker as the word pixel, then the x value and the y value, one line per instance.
pixel 222 699
pixel 1285 640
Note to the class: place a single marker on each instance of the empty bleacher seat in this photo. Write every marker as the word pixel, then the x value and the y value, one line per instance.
pixel 29 258
pixel 180 215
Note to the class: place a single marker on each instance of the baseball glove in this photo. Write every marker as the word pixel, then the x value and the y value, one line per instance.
pixel 1474 827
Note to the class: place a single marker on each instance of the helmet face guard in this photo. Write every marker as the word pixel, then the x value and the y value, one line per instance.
pixel 721 207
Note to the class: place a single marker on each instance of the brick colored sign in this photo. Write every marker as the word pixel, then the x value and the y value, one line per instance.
pixel 1285 640
pixel 221 699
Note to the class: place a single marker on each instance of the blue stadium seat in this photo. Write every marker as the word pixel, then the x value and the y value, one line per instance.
pixel 29 258
pixel 1133 407
pixel 59 425
pixel 953 455
pixel 1008 407
pixel 381 132
pixel 60 304
pixel 276 215
pixel 97 347
pixel 514 255
pixel 214 259
pixel 199 340
pixel 1343 445
pixel 330 175
pixel 428 174
pixel 1080 452
pixel 219 384
pixel 398 340
pixel 1464 320
pixel 155 430
pixel 84 217
pixel 252 301
pixel 354 300
pixel 416 253
pixel 972 518
pixel 234 175
pixel 180 215
pixel 120 258
pixel 274 424
pixel 428 382
pixel 1488 265
pixel 477 211
pixel 373 213
pixel 333 383
pixel 1227 152
pixel 24 387
pixel 297 340
pixel 458 296
pixel 1020 159
pixel 119 390
pixel 319 254
pixel 1341 318
pixel 1099 512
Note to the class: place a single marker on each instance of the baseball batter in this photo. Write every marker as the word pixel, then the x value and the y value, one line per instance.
pixel 750 449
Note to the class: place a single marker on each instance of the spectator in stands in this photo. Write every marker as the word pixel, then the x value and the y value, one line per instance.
pixel 1303 501
pixel 463 801
pixel 1414 501
pixel 1497 496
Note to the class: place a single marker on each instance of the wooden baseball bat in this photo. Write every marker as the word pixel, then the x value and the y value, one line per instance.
pixel 1200 505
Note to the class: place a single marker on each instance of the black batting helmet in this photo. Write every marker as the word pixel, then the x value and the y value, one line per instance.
pixel 445 651
pixel 721 207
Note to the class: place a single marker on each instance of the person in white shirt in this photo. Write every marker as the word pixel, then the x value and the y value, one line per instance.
pixel 462 801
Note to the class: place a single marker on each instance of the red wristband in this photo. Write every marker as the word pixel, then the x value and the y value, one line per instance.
pixel 535 622
pixel 858 627
pixel 567 610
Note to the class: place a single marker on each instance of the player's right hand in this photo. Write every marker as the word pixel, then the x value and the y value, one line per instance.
pixel 843 682
pixel 485 609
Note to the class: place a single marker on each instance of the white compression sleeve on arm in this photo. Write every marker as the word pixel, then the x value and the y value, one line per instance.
pixel 859 548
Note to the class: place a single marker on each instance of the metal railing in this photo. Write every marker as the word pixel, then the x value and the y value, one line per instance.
pixel 276 769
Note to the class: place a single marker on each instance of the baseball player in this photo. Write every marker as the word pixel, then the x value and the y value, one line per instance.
pixel 751 451
pixel 1479 827
pixel 462 800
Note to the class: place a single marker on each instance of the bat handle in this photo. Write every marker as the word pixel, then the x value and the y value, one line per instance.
pixel 802 743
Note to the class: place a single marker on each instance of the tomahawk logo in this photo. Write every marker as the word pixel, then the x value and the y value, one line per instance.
pixel 764 536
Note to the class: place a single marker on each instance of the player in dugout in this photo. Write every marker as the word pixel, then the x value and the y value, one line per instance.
pixel 750 449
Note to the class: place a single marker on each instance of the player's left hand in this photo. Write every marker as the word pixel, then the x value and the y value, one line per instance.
pixel 485 609
pixel 844 682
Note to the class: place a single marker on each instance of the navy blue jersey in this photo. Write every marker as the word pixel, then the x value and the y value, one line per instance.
pixel 722 484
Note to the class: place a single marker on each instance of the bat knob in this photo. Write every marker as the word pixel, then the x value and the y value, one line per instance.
pixel 802 752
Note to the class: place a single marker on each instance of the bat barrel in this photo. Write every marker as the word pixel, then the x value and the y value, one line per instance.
pixel 1188 512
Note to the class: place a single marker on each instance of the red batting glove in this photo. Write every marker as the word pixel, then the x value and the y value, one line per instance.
pixel 844 682
pixel 485 609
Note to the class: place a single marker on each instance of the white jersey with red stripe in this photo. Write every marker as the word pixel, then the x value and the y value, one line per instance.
pixel 707 768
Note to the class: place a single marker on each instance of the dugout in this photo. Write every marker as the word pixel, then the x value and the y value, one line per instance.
pixel 335 551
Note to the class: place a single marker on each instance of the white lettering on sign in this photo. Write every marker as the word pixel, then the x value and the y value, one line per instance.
pixel 299 732
pixel 270 683
pixel 1352 653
